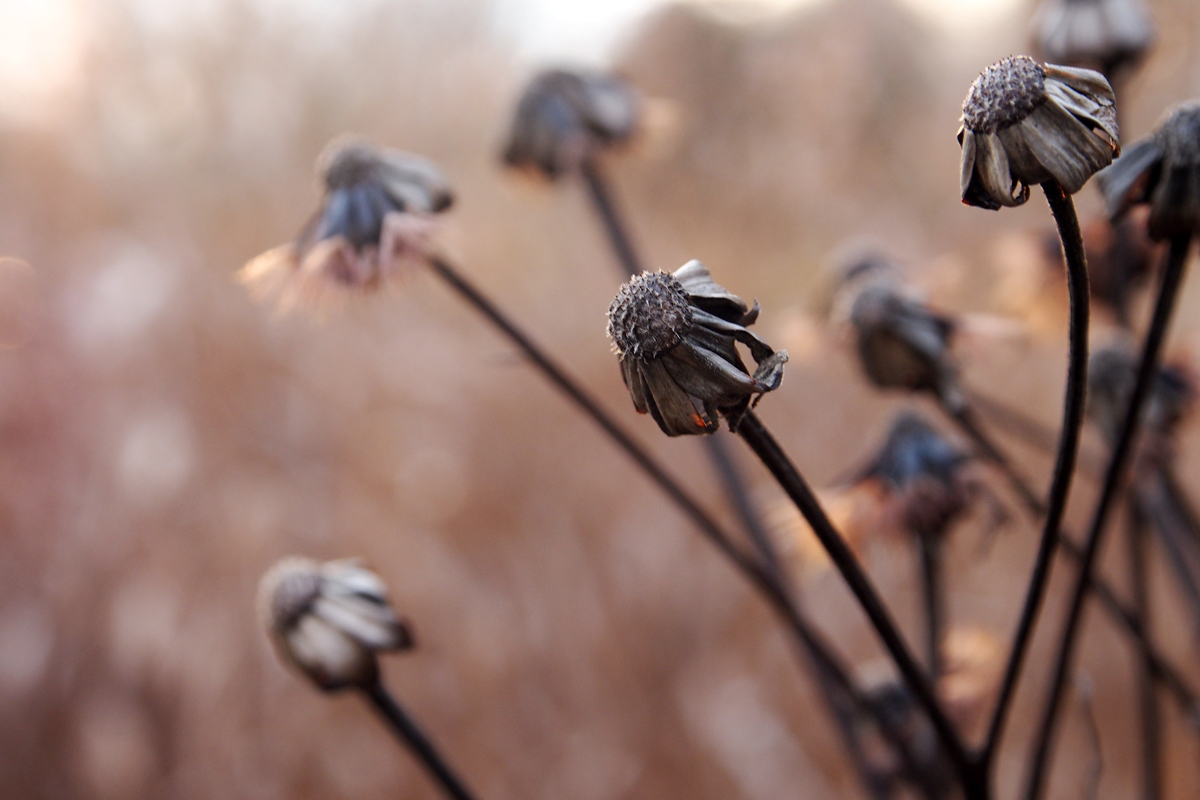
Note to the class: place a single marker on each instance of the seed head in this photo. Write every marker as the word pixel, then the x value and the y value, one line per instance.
pixel 1004 94
pixel 1179 136
pixel 649 316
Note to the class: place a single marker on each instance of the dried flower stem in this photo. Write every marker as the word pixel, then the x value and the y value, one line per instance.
pixel 1063 210
pixel 606 208
pixel 930 546
pixel 1151 722
pixel 828 665
pixel 1172 277
pixel 415 740
pixel 780 466
pixel 1029 430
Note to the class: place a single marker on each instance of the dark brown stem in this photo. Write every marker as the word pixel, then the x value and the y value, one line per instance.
pixel 412 737
pixel 756 435
pixel 1064 464
pixel 1172 276
pixel 930 546
pixel 1147 696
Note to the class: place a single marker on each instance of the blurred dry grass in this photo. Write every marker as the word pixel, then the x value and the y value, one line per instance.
pixel 164 440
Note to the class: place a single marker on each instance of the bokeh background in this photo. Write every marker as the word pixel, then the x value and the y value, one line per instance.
pixel 163 439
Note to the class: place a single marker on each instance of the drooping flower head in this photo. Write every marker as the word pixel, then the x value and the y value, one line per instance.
pixel 1105 35
pixel 1112 372
pixel 922 472
pixel 676 336
pixel 1162 170
pixel 903 344
pixel 1025 123
pixel 564 117
pixel 374 216
pixel 330 620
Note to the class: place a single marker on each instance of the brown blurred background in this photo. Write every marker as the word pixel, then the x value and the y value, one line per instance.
pixel 164 440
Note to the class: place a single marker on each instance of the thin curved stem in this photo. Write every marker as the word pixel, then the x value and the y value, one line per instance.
pixel 411 735
pixel 760 440
pixel 1064 463
pixel 1172 277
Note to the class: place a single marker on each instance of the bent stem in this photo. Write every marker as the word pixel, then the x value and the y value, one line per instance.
pixel 1150 719
pixel 1064 463
pixel 1163 308
pixel 760 440
pixel 771 589
pixel 412 737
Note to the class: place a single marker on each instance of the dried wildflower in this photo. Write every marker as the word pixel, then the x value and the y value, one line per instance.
pixel 1025 123
pixel 902 344
pixel 676 336
pixel 1111 375
pixel 564 117
pixel 1162 170
pixel 1100 34
pixel 374 217
pixel 923 474
pixel 329 620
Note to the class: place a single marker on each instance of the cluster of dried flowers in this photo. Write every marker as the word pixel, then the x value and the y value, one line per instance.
pixel 677 338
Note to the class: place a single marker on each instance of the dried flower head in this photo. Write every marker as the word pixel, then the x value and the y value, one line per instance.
pixel 1162 170
pixel 1112 372
pixel 374 217
pixel 922 475
pixel 676 336
pixel 1025 123
pixel 564 117
pixel 902 344
pixel 329 620
pixel 1099 34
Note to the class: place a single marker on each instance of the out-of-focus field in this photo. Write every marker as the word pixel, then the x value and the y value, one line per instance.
pixel 163 440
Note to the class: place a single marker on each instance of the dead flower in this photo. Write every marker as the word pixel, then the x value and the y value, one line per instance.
pixel 675 336
pixel 1100 34
pixel 1162 170
pixel 564 117
pixel 1025 123
pixel 329 620
pixel 375 215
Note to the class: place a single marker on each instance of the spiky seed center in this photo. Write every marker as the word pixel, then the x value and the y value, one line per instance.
pixel 649 315
pixel 1004 94
pixel 351 165
pixel 1179 136
pixel 293 595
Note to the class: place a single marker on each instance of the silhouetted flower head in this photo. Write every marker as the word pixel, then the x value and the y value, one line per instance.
pixel 902 344
pixel 1112 372
pixel 374 216
pixel 1098 34
pixel 1120 258
pixel 564 117
pixel 923 473
pixel 1162 170
pixel 676 336
pixel 329 620
pixel 1025 123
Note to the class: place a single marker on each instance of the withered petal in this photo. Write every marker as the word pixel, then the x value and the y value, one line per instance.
pixel 1064 147
pixel 708 295
pixel 1125 182
pixel 672 407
